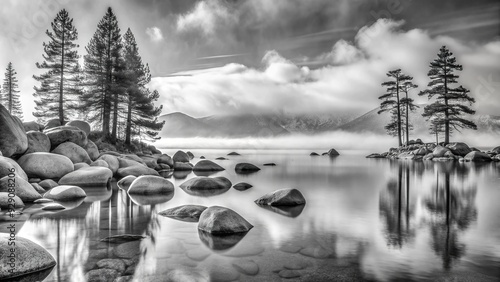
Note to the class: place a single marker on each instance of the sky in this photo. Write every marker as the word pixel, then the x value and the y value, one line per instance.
pixel 288 56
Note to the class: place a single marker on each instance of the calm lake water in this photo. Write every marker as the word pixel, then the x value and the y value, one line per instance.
pixel 373 219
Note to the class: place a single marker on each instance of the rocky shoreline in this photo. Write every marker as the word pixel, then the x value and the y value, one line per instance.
pixel 458 151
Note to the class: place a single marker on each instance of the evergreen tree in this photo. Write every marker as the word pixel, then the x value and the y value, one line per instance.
pixel 392 99
pixel 9 96
pixel 141 112
pixel 450 103
pixel 104 75
pixel 436 128
pixel 55 96
pixel 408 105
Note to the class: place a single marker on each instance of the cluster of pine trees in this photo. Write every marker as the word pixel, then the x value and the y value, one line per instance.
pixel 9 95
pixel 445 114
pixel 109 90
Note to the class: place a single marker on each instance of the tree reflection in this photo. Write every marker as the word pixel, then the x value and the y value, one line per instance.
pixel 395 207
pixel 452 207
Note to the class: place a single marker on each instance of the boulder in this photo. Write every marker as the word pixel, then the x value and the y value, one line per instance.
pixel 439 151
pixel 246 168
pixel 65 193
pixel 181 157
pixel 206 165
pixel 53 207
pixel 496 150
pixel 37 142
pixel 190 155
pixel 477 157
pixel 48 184
pixel 88 176
pixel 189 213
pixel 496 158
pixel 150 185
pixel 81 165
pixel 242 186
pixel 136 171
pixel 7 202
pixel 332 153
pixel 13 140
pixel 282 197
pixel 459 148
pixel 221 159
pixel 74 152
pixel 125 182
pixel 32 126
pixel 112 161
pixel 61 134
pixel 100 163
pixel 375 156
pixel 220 220
pixel 180 166
pixel 83 125
pixel 428 157
pixel 51 123
pixel 30 258
pixel 21 188
pixel 313 154
pixel 7 165
pixel 165 159
pixel 92 150
pixel 38 188
pixel 422 151
pixel 269 164
pixel 207 183
pixel 46 165
pixel 134 157
pixel 123 162
pixel 233 154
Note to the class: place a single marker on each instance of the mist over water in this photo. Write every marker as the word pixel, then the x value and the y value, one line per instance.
pixel 339 140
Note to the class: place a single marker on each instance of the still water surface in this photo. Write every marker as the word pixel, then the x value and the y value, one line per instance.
pixel 373 219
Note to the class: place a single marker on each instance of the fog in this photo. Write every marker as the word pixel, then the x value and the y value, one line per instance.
pixel 339 140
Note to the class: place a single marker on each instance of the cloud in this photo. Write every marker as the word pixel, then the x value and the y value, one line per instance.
pixel 154 34
pixel 206 16
pixel 349 84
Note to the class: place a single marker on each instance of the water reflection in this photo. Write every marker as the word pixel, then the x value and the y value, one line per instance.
pixel 290 211
pixel 220 242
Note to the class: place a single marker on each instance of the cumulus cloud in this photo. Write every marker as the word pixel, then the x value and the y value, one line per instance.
pixel 205 17
pixel 350 83
pixel 154 34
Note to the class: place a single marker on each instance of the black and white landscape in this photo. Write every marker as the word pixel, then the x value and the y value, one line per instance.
pixel 250 140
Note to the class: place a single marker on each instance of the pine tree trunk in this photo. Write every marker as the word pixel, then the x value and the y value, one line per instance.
pixel 399 112
pixel 10 91
pixel 407 122
pixel 61 113
pixel 115 117
pixel 128 129
pixel 446 113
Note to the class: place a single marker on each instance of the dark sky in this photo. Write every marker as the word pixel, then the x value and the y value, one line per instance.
pixel 185 35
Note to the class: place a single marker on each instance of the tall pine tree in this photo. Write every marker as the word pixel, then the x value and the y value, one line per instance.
pixel 408 105
pixel 392 99
pixel 450 103
pixel 103 69
pixel 10 94
pixel 142 115
pixel 55 97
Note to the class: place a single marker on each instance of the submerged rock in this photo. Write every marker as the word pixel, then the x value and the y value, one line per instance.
pixel 45 165
pixel 30 257
pixel 221 159
pixel 183 166
pixel 150 185
pixel 333 153
pixel 242 186
pixel 233 154
pixel 53 207
pixel 220 220
pixel 65 193
pixel 375 156
pixel 282 197
pixel 206 165
pixel 189 213
pixel 220 242
pixel 123 238
pixel 101 275
pixel 181 156
pixel 207 183
pixel 246 168
pixel 88 176
pixel 313 154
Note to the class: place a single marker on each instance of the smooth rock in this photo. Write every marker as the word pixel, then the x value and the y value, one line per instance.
pixel 101 275
pixel 125 182
pixel 206 165
pixel 246 168
pixel 46 165
pixel 181 157
pixel 282 197
pixel 88 176
pixel 242 186
pixel 269 164
pixel 37 142
pixel 13 140
pixel 83 125
pixel 65 193
pixel 53 207
pixel 7 202
pixel 100 163
pixel 31 257
pixel 92 150
pixel 125 162
pixel 51 123
pixel 313 154
pixel 233 154
pixel 477 157
pixel 198 254
pixel 165 159
pixel 128 250
pixel 246 266
pixel 439 151
pixel 116 264
pixel 23 188
pixel 496 150
pixel 190 155
pixel 32 126
pixel 61 134
pixel 332 153
pixel 459 148
pixel 150 185
pixel 136 171
pixel 48 184
pixel 189 213
pixel 122 238
pixel 375 156
pixel 74 152
pixel 38 188
pixel 78 166
pixel 220 220
pixel 288 274
pixel 43 201
pixel 180 166
pixel 207 183
pixel 112 161
pixel 8 166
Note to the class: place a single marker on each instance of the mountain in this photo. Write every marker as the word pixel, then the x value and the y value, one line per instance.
pixel 182 125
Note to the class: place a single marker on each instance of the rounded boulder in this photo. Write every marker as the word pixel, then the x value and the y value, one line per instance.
pixel 207 183
pixel 181 156
pixel 37 142
pixel 137 170
pixel 74 152
pixel 206 165
pixel 83 125
pixel 21 188
pixel 246 168
pixel 88 176
pixel 150 185
pixel 65 193
pixel 282 197
pixel 220 220
pixel 61 134
pixel 13 140
pixel 45 165
pixel 92 150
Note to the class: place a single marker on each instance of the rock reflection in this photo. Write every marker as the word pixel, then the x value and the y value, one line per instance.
pixel 143 200
pixel 220 242
pixel 452 207
pixel 205 192
pixel 290 211
pixel 183 174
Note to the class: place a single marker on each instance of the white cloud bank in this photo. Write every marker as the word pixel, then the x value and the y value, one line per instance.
pixel 349 83
pixel 154 34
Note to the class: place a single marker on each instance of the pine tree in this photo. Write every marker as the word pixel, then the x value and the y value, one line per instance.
pixel 55 98
pixel 408 105
pixel 141 113
pixel 9 96
pixel 392 99
pixel 450 103
pixel 103 69
pixel 436 128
